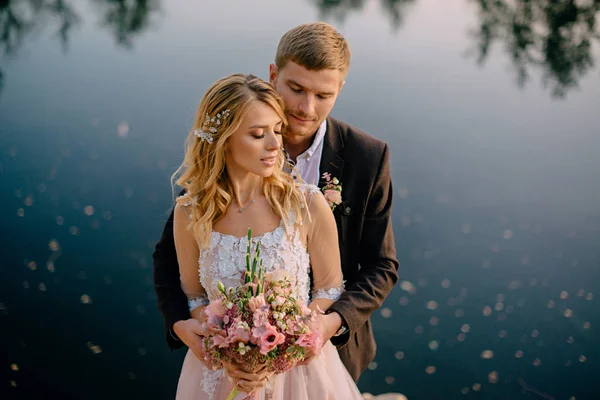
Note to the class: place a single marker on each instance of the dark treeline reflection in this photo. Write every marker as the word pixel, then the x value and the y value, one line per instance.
pixel 555 37
pixel 20 19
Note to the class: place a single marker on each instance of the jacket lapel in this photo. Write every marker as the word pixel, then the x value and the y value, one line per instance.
pixel 331 162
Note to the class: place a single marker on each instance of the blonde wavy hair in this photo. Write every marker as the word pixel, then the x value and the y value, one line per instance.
pixel 203 173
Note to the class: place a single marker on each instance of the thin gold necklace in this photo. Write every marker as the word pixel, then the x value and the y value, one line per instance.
pixel 242 209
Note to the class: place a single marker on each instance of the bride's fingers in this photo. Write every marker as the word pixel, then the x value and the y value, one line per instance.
pixel 251 377
pixel 248 386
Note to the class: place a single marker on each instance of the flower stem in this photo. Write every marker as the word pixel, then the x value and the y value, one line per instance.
pixel 234 392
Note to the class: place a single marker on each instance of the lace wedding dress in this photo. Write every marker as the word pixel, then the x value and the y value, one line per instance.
pixel 224 260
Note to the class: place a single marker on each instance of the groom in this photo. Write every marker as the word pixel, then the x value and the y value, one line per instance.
pixel 311 64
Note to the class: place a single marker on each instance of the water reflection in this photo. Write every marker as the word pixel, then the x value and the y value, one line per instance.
pixel 555 37
pixel 339 9
pixel 127 19
pixel 20 19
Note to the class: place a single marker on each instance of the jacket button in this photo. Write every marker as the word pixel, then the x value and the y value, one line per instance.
pixel 348 210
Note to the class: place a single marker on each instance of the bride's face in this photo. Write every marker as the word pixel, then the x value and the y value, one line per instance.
pixel 255 146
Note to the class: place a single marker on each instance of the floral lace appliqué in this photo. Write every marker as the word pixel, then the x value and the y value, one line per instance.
pixel 333 293
pixel 224 259
pixel 210 380
pixel 198 302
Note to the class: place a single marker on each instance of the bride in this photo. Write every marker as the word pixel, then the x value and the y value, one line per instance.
pixel 233 179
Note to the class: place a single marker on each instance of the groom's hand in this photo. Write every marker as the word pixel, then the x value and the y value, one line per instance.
pixel 328 325
pixel 190 332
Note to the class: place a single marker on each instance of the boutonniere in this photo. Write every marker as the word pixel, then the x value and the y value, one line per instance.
pixel 332 190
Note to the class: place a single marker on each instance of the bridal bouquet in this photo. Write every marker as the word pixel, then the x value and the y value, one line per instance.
pixel 259 322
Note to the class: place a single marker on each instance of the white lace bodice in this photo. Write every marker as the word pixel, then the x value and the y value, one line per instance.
pixel 225 258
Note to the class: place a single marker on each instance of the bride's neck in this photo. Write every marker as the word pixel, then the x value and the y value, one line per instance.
pixel 246 188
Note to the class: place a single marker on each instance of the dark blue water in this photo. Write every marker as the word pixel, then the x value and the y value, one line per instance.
pixel 491 112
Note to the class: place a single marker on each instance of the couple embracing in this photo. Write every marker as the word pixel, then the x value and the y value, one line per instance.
pixel 317 195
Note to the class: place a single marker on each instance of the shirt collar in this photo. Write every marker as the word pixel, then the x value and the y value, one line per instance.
pixel 317 141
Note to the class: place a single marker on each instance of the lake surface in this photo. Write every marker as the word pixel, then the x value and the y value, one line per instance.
pixel 491 110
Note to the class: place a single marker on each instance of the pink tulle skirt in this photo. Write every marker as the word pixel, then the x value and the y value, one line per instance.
pixel 325 378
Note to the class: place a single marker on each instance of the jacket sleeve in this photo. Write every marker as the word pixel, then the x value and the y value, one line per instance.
pixel 378 263
pixel 172 301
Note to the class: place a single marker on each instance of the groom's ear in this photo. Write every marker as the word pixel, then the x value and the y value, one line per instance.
pixel 272 74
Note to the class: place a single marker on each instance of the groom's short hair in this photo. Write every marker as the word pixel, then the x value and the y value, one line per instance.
pixel 315 46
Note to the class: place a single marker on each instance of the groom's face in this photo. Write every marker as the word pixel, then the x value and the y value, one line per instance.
pixel 308 95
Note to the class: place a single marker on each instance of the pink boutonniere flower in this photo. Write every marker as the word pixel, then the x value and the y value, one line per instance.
pixel 332 190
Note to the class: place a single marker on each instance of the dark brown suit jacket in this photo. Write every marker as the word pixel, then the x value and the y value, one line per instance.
pixel 368 253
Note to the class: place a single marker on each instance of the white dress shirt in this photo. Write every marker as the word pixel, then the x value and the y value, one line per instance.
pixel 308 163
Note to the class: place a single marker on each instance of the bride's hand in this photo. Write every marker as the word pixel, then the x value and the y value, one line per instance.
pixel 247 381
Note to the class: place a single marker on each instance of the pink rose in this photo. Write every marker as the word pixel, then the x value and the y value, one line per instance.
pixel 215 312
pixel 237 334
pixel 269 339
pixel 312 340
pixel 260 317
pixel 277 275
pixel 257 302
pixel 332 196
pixel 220 341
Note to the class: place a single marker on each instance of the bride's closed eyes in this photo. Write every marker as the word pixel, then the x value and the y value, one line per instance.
pixel 259 136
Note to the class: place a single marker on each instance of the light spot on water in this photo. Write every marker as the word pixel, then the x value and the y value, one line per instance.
pixel 408 287
pixel 568 313
pixel 386 313
pixel 89 210
pixel 487 354
pixel 123 129
pixel 53 245
pixel 519 354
